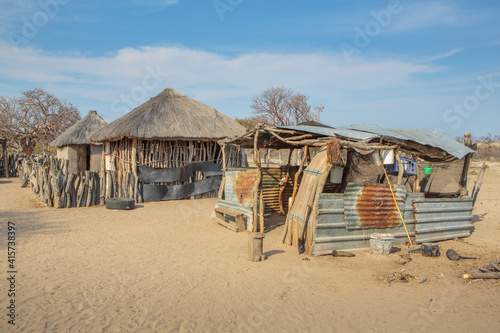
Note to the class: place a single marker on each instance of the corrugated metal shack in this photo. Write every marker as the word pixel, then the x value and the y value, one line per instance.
pixel 343 196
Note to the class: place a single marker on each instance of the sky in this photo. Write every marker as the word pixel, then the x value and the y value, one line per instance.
pixel 398 64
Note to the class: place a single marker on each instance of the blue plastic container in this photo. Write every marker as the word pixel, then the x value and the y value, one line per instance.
pixel 409 167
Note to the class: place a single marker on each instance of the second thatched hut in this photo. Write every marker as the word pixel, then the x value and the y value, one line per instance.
pixel 74 145
pixel 167 148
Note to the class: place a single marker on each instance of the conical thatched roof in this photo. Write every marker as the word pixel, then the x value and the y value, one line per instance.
pixel 78 133
pixel 171 115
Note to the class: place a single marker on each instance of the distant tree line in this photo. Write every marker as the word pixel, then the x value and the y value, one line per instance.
pixel 37 117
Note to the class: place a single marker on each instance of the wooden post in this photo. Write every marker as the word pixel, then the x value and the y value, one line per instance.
pixel 256 188
pixel 255 246
pixel 400 168
pixel 134 168
pixel 220 195
pixel 465 171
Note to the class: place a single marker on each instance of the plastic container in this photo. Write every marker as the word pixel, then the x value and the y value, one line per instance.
pixel 409 167
pixel 388 156
pixel 427 170
pixel 381 243
pixel 336 174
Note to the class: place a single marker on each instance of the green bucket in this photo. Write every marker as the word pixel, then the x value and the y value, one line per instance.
pixel 427 170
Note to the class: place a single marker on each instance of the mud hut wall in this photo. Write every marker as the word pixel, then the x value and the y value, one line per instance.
pixel 95 157
pixel 70 153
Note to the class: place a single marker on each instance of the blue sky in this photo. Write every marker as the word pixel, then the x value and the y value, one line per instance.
pixel 419 64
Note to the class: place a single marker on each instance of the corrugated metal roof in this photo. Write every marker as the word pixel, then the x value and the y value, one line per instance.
pixel 337 132
pixel 435 139
pixel 365 132
pixel 374 129
pixel 427 137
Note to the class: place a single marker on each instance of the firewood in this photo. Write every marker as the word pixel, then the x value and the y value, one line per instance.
pixel 481 276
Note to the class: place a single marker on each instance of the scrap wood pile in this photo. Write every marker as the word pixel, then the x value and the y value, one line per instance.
pixel 486 272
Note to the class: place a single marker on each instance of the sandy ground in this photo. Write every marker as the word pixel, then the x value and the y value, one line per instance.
pixel 167 267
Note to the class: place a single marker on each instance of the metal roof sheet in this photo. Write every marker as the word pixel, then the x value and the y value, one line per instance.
pixel 365 132
pixel 435 139
pixel 338 132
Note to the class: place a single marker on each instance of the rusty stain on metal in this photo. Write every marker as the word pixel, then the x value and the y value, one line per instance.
pixel 376 207
pixel 244 186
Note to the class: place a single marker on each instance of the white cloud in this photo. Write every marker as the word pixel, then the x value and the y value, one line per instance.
pixel 372 89
pixel 418 15
pixel 196 68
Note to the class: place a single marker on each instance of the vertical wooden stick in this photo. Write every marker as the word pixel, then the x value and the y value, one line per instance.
pixel 401 169
pixel 134 168
pixel 256 187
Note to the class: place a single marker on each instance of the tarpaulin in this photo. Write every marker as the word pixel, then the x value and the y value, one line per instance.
pixel 176 192
pixel 166 175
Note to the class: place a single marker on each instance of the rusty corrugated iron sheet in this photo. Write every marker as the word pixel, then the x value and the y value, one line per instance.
pixel 240 183
pixel 372 206
pixel 441 219
pixel 331 232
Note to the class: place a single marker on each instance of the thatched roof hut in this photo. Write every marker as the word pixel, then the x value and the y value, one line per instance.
pixel 173 116
pixel 75 146
pixel 167 149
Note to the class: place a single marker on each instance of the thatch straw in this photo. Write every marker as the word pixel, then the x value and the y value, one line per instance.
pixel 78 133
pixel 171 116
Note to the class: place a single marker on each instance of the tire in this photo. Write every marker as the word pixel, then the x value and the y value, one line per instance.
pixel 120 203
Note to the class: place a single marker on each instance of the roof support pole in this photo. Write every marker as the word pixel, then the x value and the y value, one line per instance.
pixel 468 157
pixel 134 168
pixel 256 188
pixel 223 182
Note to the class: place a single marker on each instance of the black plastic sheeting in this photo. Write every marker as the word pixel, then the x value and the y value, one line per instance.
pixel 165 175
pixel 176 192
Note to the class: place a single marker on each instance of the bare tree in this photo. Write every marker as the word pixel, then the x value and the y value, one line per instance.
pixel 281 106
pixel 37 117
